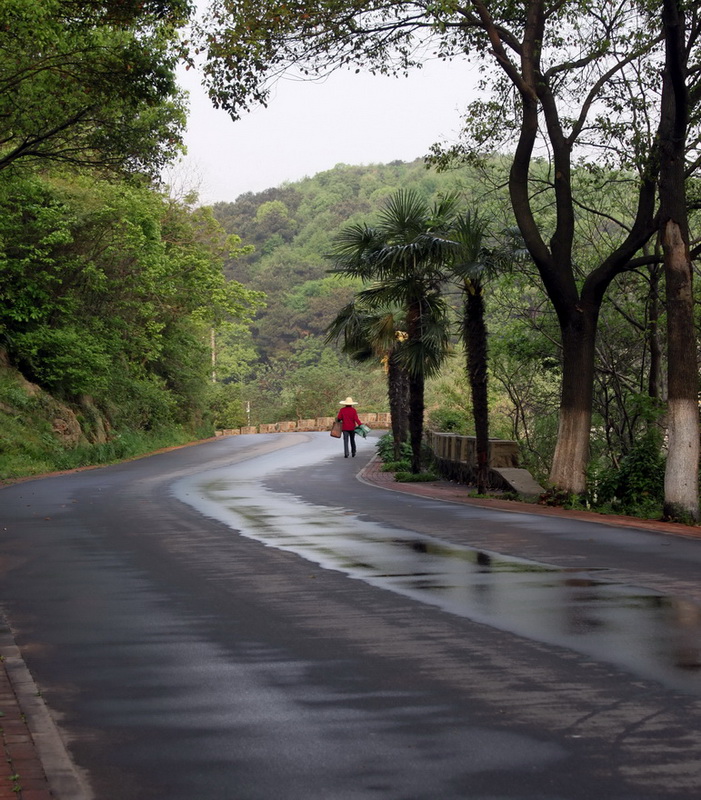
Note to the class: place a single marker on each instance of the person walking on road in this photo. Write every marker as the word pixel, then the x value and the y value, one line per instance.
pixel 349 422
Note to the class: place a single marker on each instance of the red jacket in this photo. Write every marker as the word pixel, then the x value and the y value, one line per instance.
pixel 349 418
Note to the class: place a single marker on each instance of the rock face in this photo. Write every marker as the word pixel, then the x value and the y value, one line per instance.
pixel 72 425
pixel 64 421
pixel 95 427
pixel 66 426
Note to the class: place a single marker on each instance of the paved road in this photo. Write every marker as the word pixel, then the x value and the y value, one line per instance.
pixel 349 642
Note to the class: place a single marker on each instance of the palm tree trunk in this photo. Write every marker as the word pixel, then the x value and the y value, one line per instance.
pixel 475 338
pixel 398 394
pixel 416 419
pixel 416 387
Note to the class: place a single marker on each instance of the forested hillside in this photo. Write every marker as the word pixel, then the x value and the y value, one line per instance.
pixel 116 291
pixel 291 230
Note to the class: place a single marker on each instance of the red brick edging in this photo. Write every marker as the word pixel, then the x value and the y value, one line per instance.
pixel 21 772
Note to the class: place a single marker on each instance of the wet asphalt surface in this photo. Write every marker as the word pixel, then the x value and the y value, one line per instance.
pixel 245 620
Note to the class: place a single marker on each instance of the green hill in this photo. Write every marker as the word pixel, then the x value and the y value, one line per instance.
pixel 289 371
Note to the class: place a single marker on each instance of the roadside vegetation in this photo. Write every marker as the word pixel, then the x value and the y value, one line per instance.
pixel 526 282
pixel 597 109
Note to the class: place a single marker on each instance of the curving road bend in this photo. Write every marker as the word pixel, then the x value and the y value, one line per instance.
pixel 244 620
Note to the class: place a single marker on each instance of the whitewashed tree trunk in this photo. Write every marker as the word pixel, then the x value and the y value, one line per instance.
pixel 568 471
pixel 681 473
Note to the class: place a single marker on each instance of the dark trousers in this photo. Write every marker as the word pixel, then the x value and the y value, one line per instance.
pixel 348 436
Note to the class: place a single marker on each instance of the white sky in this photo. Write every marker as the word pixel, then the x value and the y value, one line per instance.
pixel 310 127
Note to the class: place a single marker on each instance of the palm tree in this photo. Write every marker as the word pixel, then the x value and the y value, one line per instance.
pixel 376 335
pixel 471 260
pixel 473 263
pixel 403 258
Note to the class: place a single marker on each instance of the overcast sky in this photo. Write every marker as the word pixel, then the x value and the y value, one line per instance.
pixel 310 127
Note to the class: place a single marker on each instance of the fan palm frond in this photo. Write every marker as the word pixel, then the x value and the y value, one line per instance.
pixel 354 251
pixel 404 216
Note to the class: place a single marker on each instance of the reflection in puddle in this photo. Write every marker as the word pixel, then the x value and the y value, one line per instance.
pixel 645 632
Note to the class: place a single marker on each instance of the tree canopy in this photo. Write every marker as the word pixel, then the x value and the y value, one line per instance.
pixel 91 83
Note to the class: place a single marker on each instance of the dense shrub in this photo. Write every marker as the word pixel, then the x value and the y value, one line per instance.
pixel 385 449
pixel 637 486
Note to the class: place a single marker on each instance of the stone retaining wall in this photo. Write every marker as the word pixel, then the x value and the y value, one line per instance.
pixel 381 421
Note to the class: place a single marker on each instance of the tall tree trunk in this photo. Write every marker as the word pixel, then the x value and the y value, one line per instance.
pixel 568 471
pixel 681 474
pixel 475 338
pixel 398 394
pixel 416 419
pixel 681 493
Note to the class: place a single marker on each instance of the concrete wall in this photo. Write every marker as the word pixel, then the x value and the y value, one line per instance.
pixel 462 449
pixel 456 457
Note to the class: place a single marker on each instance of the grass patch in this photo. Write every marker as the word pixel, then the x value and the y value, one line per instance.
pixel 415 477
pixel 27 452
pixel 396 466
pixel 122 447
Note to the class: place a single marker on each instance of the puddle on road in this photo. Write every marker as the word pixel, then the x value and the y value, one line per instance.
pixel 652 635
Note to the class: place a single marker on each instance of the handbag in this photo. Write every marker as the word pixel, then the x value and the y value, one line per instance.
pixel 363 430
pixel 336 429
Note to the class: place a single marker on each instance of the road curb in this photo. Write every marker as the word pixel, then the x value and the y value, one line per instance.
pixel 37 765
pixel 448 492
